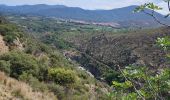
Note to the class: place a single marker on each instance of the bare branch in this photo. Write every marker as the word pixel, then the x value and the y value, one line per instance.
pixel 169 5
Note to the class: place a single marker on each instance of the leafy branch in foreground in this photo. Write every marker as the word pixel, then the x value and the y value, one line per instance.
pixel 151 6
pixel 142 84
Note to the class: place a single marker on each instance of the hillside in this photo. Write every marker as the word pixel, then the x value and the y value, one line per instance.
pixel 71 60
pixel 119 15
pixel 102 53
pixel 43 68
pixel 12 89
pixel 3 47
pixel 99 49
pixel 57 52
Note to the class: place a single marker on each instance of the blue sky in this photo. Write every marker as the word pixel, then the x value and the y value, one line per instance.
pixel 86 4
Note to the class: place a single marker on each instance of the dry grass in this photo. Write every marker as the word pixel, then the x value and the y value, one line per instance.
pixel 11 89
pixel 3 47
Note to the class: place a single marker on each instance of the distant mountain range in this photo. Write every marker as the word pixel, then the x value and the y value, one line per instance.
pixel 124 14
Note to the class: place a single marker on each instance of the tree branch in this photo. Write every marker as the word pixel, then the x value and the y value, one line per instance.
pixel 132 83
pixel 169 5
pixel 155 18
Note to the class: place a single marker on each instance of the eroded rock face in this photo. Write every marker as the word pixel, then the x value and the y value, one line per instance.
pixel 17 44
pixel 3 47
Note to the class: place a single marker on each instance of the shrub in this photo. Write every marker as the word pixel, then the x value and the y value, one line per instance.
pixel 57 90
pixel 9 38
pixel 5 66
pixel 113 76
pixel 62 76
pixel 20 63
pixel 34 82
pixel 10 32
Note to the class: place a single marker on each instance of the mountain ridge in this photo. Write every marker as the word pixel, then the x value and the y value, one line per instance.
pixel 76 13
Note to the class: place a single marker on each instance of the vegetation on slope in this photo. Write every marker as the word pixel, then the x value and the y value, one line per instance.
pixel 105 52
pixel 45 68
pixel 13 89
pixel 99 49
pixel 141 82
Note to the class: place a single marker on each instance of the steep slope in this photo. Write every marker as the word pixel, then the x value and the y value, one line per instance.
pixel 44 68
pixel 100 51
pixel 15 90
pixel 3 47
pixel 104 52
pixel 126 50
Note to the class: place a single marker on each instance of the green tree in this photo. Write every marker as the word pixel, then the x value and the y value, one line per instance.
pixel 62 76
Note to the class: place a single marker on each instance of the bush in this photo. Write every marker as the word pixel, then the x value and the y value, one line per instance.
pixel 5 66
pixel 57 90
pixel 62 76
pixel 9 38
pixel 10 32
pixel 33 82
pixel 20 63
pixel 113 76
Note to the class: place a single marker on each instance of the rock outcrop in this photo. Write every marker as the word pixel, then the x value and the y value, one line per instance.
pixel 3 47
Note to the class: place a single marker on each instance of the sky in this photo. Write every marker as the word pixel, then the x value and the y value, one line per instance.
pixel 86 4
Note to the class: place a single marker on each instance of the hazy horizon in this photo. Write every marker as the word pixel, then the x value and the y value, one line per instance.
pixel 85 4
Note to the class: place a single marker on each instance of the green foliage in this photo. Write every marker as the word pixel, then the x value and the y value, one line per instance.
pixel 151 6
pixel 164 42
pixel 144 84
pixel 33 82
pixel 113 76
pixel 10 32
pixel 44 67
pixel 62 76
pixel 5 66
pixel 135 72
pixel 56 41
pixel 20 63
pixel 141 82
pixel 58 90
pixel 126 84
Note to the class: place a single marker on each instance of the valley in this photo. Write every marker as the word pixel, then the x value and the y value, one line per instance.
pixel 114 17
pixel 99 49
pixel 88 55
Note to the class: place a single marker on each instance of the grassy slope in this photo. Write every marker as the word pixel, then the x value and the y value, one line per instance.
pixel 13 89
